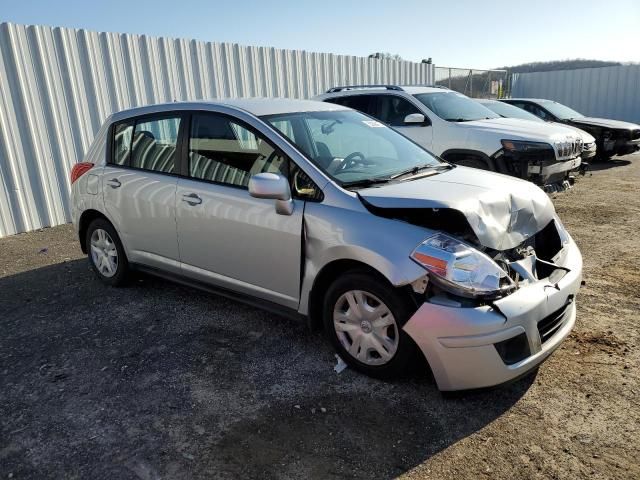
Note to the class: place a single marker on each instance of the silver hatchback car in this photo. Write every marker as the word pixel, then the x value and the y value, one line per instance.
pixel 318 211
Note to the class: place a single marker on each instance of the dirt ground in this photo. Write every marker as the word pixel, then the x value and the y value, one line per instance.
pixel 160 381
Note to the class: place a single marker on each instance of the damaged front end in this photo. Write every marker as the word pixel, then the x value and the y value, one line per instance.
pixel 500 274
pixel 486 316
pixel 462 270
pixel 461 274
pixel 545 165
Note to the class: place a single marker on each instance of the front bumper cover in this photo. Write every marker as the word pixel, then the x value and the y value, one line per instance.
pixel 459 343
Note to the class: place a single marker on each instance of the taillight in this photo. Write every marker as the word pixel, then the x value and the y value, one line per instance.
pixel 80 169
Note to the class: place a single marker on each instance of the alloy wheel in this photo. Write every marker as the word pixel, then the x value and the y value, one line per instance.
pixel 104 253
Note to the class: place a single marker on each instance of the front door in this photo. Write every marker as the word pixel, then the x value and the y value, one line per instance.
pixel 226 237
pixel 393 109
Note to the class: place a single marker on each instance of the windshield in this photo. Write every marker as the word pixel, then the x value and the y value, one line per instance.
pixel 561 111
pixel 455 107
pixel 351 147
pixel 509 111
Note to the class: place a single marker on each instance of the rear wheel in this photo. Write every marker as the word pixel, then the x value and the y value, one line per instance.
pixel 106 254
pixel 363 318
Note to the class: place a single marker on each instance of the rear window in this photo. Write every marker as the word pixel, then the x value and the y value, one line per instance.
pixel 122 133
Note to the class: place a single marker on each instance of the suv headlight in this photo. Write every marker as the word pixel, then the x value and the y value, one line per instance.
pixel 541 150
pixel 461 269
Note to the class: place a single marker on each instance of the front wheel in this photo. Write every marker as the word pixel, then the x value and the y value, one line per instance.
pixel 363 317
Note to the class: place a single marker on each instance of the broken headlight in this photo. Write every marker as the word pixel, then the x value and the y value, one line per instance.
pixel 534 150
pixel 461 269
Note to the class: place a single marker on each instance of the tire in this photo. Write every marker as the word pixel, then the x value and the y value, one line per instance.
pixel 106 254
pixel 473 163
pixel 369 339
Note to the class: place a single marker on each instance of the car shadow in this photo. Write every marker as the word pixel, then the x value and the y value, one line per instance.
pixel 158 380
pixel 595 166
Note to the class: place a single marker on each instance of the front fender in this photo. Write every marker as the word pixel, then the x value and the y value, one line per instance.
pixel 383 244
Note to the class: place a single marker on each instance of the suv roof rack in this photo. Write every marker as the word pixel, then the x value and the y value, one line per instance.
pixel 356 87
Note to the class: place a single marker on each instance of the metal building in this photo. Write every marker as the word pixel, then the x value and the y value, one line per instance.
pixel 609 92
pixel 57 85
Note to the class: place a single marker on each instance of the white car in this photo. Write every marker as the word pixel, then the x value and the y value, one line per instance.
pixel 461 131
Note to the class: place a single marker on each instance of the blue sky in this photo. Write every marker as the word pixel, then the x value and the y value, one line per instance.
pixel 480 34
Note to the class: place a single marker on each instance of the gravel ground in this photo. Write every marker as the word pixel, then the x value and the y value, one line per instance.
pixel 160 381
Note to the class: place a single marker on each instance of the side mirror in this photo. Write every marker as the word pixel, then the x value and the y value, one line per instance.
pixel 414 118
pixel 273 186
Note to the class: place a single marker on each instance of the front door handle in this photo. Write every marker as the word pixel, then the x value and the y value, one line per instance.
pixel 114 183
pixel 192 199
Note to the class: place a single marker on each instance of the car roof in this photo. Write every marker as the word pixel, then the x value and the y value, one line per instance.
pixel 534 100
pixel 257 106
pixel 393 89
pixel 414 89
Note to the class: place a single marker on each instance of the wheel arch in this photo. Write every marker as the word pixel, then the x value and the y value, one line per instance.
pixel 327 275
pixel 85 220
pixel 454 153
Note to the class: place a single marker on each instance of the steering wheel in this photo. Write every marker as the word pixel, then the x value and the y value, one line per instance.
pixel 350 160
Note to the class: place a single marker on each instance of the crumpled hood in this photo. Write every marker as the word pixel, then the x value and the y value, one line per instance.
pixel 502 211
pixel 605 122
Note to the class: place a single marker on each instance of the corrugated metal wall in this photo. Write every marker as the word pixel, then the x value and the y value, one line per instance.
pixel 609 92
pixel 57 85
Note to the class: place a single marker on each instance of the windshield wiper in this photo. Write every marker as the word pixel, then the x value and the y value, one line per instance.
pixel 413 171
pixel 366 182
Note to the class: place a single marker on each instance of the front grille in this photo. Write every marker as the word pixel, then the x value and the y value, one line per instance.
pixel 552 323
pixel 569 148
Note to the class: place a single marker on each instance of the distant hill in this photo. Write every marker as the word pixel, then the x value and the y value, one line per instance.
pixel 559 65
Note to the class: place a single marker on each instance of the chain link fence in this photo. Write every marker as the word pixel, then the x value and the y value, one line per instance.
pixel 473 82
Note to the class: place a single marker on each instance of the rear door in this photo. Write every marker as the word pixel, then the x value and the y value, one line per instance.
pixel 227 237
pixel 139 187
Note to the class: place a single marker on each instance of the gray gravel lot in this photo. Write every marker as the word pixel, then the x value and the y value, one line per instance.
pixel 160 381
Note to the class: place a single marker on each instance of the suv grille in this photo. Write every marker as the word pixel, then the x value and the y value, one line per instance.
pixel 551 324
pixel 570 148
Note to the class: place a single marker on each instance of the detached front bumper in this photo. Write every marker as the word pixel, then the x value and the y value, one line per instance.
pixel 554 169
pixel 484 346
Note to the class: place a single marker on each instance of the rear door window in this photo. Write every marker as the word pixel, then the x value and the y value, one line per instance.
pixel 362 103
pixel 154 144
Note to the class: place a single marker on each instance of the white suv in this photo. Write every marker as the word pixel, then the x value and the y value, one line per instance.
pixel 462 131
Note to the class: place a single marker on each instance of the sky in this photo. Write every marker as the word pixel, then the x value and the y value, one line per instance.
pixel 462 33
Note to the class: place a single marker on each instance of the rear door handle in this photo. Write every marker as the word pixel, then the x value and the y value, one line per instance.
pixel 192 199
pixel 114 183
